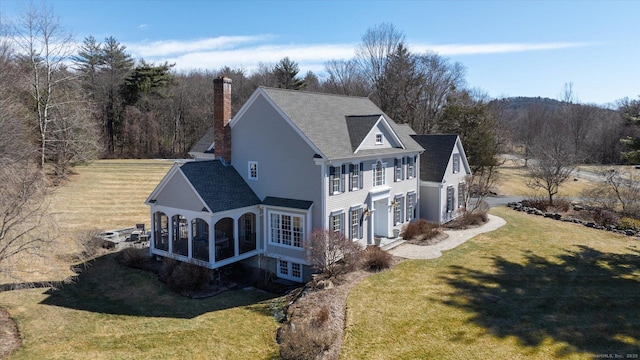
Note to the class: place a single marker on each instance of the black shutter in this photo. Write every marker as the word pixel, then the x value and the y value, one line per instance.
pixel 404 161
pixel 396 175
pixel 361 175
pixel 342 178
pixel 351 177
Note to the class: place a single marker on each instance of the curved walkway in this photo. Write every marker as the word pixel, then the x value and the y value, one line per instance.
pixel 456 237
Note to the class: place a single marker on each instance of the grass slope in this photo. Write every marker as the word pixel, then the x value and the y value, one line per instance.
pixel 114 312
pixel 535 288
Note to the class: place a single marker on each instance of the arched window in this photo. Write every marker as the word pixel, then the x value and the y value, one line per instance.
pixel 224 243
pixel 247 232
pixel 180 235
pixel 200 234
pixel 161 231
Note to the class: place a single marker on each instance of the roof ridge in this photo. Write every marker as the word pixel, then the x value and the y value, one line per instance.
pixel 313 92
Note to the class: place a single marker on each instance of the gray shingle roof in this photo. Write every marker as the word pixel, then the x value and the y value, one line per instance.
pixel 359 126
pixel 206 142
pixel 220 186
pixel 436 155
pixel 322 118
pixel 288 203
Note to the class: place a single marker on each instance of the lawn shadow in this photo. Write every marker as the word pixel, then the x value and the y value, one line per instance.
pixel 111 288
pixel 584 298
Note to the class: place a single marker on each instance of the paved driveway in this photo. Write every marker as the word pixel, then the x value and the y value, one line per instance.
pixel 456 237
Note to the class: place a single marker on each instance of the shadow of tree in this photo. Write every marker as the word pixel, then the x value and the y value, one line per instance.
pixel 585 298
pixel 111 288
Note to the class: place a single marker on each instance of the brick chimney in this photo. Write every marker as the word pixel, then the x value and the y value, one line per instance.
pixel 221 117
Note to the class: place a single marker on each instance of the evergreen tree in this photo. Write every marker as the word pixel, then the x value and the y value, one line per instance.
pixel 630 112
pixel 286 72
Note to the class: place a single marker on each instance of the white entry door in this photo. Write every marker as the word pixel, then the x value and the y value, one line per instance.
pixel 381 218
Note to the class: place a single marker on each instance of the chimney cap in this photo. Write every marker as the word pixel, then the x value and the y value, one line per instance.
pixel 223 79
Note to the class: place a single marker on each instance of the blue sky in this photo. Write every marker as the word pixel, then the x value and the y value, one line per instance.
pixel 509 48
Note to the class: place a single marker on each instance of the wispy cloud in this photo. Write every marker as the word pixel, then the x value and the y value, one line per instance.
pixel 495 48
pixel 248 52
pixel 143 26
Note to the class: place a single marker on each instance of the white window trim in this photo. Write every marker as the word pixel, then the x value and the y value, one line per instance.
pixel 409 214
pixel 249 170
pixel 383 170
pixel 279 244
pixel 339 177
pixel 411 167
pixel 289 276
pixel 456 163
pixel 357 170
pixel 357 209
pixel 381 142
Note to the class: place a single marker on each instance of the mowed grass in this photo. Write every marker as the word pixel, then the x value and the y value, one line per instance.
pixel 513 182
pixel 535 288
pixel 115 312
pixel 108 194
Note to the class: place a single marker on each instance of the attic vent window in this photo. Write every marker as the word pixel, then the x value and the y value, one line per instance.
pixel 253 170
pixel 379 139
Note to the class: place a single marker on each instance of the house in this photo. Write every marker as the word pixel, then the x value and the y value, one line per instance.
pixel 287 163
pixel 443 173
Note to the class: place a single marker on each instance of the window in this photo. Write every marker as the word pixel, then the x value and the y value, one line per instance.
pixel 336 222
pixel 355 176
pixel 398 173
pixel 356 229
pixel 378 173
pixel 411 199
pixel 456 163
pixel 411 167
pixel 289 270
pixel 379 139
pixel 450 192
pixel 398 207
pixel 336 184
pixel 286 229
pixel 253 170
pixel 461 195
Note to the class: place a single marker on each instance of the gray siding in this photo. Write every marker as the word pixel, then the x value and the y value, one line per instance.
pixel 369 142
pixel 286 166
pixel 178 194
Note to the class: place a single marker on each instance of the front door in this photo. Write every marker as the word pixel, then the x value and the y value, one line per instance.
pixel 381 218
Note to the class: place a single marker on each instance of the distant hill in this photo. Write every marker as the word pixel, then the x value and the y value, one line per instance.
pixel 522 102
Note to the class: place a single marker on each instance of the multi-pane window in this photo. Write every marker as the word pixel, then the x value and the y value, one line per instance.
pixel 411 167
pixel 284 267
pixel 398 173
pixel 336 222
pixel 456 163
pixel 335 180
pixel 253 170
pixel 356 229
pixel 289 270
pixel 398 208
pixel 296 270
pixel 378 173
pixel 461 195
pixel 355 174
pixel 450 192
pixel 286 229
pixel 411 199
pixel 379 139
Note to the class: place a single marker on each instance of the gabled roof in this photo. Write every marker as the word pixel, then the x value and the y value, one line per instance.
pixel 322 120
pixel 435 158
pixel 359 127
pixel 205 144
pixel 220 186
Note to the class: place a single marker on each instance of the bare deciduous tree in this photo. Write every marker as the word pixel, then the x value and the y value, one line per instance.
pixel 331 252
pixel 554 159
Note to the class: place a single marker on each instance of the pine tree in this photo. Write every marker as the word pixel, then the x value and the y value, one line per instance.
pixel 286 72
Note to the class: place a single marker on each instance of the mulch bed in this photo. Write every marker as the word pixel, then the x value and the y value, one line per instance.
pixel 9 336
pixel 419 240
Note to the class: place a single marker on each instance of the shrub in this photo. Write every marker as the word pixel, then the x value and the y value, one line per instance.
pixel 604 217
pixel 536 202
pixel 475 218
pixel 188 277
pixel 376 259
pixel 562 204
pixel 627 223
pixel 321 316
pixel 332 253
pixel 420 227
pixel 135 258
pixel 166 269
pixel 303 341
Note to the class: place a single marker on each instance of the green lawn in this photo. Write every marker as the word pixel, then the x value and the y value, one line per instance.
pixel 114 312
pixel 536 288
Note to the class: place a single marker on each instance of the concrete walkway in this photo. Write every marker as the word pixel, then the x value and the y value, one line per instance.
pixel 456 237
